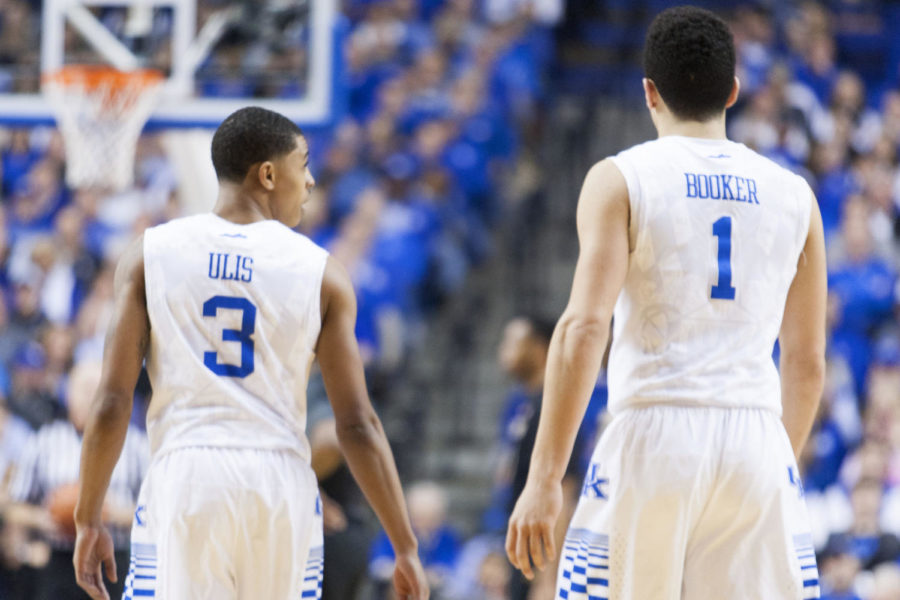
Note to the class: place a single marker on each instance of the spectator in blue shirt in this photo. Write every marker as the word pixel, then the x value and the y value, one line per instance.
pixel 839 567
pixel 439 542
pixel 865 539
pixel 862 285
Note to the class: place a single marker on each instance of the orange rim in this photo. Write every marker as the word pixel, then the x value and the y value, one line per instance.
pixel 93 76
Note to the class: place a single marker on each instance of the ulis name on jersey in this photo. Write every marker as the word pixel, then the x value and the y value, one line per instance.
pixel 230 268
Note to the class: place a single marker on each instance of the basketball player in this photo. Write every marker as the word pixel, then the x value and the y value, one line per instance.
pixel 705 252
pixel 229 309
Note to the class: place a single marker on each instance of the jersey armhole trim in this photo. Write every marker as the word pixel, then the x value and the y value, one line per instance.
pixel 632 184
pixel 811 202
pixel 149 279
pixel 315 311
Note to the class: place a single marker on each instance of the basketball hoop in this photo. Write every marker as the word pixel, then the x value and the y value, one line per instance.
pixel 101 112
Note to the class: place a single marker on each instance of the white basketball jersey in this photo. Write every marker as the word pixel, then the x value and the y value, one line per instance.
pixel 234 319
pixel 715 234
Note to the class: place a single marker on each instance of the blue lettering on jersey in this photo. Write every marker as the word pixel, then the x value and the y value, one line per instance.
pixel 719 186
pixel 593 483
pixel 230 268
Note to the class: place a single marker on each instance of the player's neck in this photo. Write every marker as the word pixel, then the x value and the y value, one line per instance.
pixel 713 129
pixel 239 207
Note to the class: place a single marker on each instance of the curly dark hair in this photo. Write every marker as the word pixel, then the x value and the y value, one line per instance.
pixel 248 136
pixel 689 55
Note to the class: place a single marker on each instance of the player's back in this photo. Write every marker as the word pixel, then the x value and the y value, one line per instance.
pixel 234 319
pixel 715 234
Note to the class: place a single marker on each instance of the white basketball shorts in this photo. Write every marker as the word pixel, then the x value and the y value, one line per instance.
pixel 690 503
pixel 223 524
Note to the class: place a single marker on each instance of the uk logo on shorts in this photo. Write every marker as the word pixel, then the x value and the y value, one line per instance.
pixel 594 484
pixel 584 567
pixel 794 479
pixel 140 515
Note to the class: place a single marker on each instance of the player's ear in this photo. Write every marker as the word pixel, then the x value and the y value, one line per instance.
pixel 266 175
pixel 651 95
pixel 735 91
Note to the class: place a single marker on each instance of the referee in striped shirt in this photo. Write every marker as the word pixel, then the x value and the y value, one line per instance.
pixel 49 465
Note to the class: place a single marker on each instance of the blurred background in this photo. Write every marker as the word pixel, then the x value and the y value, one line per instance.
pixel 448 164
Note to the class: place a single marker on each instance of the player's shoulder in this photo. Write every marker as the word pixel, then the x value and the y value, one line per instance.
pixel 164 234
pixel 774 170
pixel 284 234
pixel 642 149
pixel 182 223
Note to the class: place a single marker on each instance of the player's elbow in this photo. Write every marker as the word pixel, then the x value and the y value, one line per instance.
pixel 804 363
pixel 361 428
pixel 583 329
pixel 112 406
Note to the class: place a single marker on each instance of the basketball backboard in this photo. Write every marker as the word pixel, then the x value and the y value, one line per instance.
pixel 217 56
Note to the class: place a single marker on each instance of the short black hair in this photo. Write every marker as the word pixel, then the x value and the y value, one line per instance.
pixel 689 55
pixel 248 136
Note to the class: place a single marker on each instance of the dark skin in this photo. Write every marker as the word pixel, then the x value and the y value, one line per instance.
pixel 274 189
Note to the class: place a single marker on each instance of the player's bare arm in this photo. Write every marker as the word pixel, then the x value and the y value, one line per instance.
pixel 802 337
pixel 576 353
pixel 359 430
pixel 104 435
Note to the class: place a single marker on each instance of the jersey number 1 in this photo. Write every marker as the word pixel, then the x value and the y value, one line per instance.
pixel 248 326
pixel 723 290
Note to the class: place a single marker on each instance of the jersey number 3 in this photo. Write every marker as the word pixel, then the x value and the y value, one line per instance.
pixel 723 290
pixel 248 326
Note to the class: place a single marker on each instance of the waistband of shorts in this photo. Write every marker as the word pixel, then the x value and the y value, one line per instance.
pixel 188 447
pixel 635 407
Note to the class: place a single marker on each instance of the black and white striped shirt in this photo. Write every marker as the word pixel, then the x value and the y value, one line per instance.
pixel 51 458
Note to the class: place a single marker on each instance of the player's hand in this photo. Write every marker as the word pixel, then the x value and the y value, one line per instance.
pixel 93 551
pixel 531 526
pixel 410 581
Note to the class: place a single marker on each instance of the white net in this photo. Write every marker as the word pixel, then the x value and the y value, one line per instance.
pixel 101 112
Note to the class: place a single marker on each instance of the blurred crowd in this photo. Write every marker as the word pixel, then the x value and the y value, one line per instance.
pixel 439 97
pixel 821 95
pixel 443 99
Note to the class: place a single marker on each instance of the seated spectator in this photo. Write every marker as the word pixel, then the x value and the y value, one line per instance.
pixel 33 395
pixel 493 577
pixel 37 198
pixel 17 159
pixel 838 568
pixel 863 284
pixel 837 428
pixel 890 116
pixel 816 68
pixel 439 541
pixel 847 116
pixel 836 181
pixel 482 570
pixel 866 539
pixel 24 321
